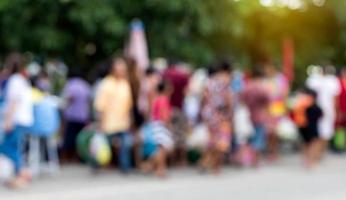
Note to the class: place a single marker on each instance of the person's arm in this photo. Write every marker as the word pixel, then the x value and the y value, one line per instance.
pixel 100 102
pixel 9 116
pixel 336 100
pixel 13 95
pixel 337 108
pixel 67 95
pixel 130 102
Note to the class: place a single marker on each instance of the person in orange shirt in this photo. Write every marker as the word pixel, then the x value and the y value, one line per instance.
pixel 113 104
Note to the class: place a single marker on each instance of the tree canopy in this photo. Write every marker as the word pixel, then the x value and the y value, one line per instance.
pixel 84 31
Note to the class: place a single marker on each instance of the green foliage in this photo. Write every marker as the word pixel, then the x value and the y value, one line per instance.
pixel 193 30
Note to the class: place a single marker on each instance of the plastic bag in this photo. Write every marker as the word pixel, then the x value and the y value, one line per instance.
pixel 6 169
pixel 83 143
pixel 243 126
pixel 286 129
pixel 339 139
pixel 100 149
pixel 199 137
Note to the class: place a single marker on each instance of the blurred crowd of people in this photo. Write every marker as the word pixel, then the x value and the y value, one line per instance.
pixel 155 117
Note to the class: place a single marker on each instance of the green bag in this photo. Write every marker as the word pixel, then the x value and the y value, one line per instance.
pixel 339 140
pixel 83 144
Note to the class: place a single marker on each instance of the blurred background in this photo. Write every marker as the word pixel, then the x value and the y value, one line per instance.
pixel 137 99
pixel 85 32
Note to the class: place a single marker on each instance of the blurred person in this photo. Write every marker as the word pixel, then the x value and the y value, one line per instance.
pixel 135 77
pixel 77 95
pixel 328 89
pixel 237 84
pixel 236 87
pixel 114 105
pixel 194 94
pixel 179 80
pixel 57 72
pixel 18 118
pixel 101 71
pixel 341 104
pixel 160 117
pixel 4 76
pixel 278 88
pixel 217 114
pixel 307 114
pixel 178 76
pixel 147 91
pixel 43 82
pixel 161 108
pixel 256 98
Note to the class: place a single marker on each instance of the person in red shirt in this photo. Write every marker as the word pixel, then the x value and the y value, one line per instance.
pixel 179 80
pixel 341 115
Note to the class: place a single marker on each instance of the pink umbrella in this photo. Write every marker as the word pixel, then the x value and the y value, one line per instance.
pixel 137 46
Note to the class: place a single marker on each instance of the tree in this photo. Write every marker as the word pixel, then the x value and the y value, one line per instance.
pixel 83 32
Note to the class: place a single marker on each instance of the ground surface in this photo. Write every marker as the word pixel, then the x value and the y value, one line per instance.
pixel 284 180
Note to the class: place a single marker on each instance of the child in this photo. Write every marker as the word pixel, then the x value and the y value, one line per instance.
pixel 308 127
pixel 161 108
pixel 157 139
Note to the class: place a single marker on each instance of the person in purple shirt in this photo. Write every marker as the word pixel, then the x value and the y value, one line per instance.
pixel 77 95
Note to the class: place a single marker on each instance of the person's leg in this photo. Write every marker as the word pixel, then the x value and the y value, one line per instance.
pixel 160 162
pixel 11 147
pixel 124 151
pixel 326 131
pixel 306 140
pixel 217 161
pixel 310 158
pixel 273 142
pixel 258 143
pixel 305 153
pixel 206 160
pixel 67 148
pixel 137 146
pixel 322 147
pixel 315 150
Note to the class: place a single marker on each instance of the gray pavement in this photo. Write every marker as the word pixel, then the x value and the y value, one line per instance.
pixel 284 180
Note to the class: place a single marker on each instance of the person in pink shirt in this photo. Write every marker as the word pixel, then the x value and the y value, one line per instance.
pixel 161 108
pixel 256 98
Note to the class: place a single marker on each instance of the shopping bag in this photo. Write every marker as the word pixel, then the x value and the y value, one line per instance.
pixel 339 140
pixel 6 169
pixel 243 127
pixel 100 149
pixel 83 143
pixel 286 129
pixel 199 137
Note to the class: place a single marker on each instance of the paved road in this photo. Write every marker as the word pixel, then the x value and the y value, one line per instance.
pixel 285 180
